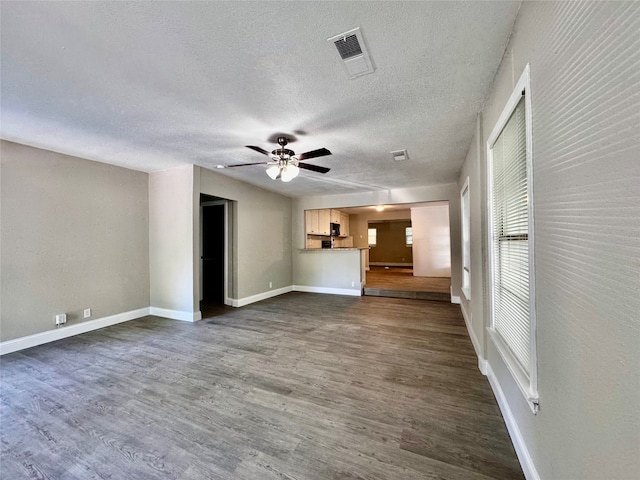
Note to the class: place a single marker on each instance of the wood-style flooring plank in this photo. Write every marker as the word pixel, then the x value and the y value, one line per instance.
pixel 299 387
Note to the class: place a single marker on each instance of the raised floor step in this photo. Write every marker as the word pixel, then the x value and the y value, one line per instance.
pixel 382 292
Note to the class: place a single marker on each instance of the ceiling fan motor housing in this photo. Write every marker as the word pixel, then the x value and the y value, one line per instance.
pixel 283 153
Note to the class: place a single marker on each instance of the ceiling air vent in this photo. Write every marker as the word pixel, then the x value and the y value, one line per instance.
pixel 352 52
pixel 400 155
pixel 348 47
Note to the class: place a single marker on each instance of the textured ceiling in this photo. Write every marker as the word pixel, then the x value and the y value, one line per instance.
pixel 152 85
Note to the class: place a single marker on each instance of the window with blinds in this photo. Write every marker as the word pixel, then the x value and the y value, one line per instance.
pixel 512 317
pixel 511 237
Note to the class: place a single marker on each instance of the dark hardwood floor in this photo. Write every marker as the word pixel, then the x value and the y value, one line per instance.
pixel 301 386
pixel 401 283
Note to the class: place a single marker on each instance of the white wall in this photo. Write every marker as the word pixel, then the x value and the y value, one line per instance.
pixel 171 241
pixel 585 70
pixel 431 241
pixel 75 235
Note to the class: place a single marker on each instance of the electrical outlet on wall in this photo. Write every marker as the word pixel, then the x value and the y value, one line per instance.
pixel 61 318
pixel 270 284
pixel 87 312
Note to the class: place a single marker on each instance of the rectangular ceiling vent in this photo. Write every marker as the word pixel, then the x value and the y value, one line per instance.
pixel 352 52
pixel 348 47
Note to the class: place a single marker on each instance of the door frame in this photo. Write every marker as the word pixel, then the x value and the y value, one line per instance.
pixel 225 203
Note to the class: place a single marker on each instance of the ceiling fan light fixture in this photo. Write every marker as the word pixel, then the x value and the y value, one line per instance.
pixel 284 162
pixel 289 172
pixel 273 171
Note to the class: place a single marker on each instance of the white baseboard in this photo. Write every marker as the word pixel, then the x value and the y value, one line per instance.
pixel 69 331
pixel 176 314
pixel 454 298
pixel 474 339
pixel 241 302
pixel 483 365
pixel 332 291
pixel 526 462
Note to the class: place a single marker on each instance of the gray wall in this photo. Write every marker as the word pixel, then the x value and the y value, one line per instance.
pixel 473 308
pixel 330 269
pixel 262 230
pixel 585 69
pixel 74 235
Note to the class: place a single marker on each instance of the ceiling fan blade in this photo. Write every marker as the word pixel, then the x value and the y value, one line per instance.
pixel 321 152
pixel 314 168
pixel 258 149
pixel 244 164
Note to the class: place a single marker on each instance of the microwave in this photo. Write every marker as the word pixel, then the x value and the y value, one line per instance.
pixel 335 229
pixel 326 243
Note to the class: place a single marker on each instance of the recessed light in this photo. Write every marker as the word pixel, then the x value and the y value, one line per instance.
pixel 380 208
pixel 220 166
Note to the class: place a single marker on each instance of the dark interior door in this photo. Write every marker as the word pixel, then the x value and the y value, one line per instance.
pixel 213 242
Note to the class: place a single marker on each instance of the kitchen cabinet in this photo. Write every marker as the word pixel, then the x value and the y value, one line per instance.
pixel 317 221
pixel 311 221
pixel 324 219
pixel 335 216
pixel 344 225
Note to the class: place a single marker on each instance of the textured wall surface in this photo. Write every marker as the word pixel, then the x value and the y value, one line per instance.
pixel 75 235
pixel 585 72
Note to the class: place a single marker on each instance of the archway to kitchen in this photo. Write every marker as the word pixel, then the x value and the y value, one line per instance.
pixel 409 252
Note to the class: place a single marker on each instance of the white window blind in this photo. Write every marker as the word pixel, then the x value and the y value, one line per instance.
pixel 466 241
pixel 512 290
pixel 511 237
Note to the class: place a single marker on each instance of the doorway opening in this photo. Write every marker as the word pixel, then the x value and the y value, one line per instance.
pixel 214 257
pixel 409 253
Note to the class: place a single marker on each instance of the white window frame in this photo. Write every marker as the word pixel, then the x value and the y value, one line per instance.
pixel 528 383
pixel 465 216
pixel 375 236
pixel 408 236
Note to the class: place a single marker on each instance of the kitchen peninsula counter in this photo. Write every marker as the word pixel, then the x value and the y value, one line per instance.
pixel 338 270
